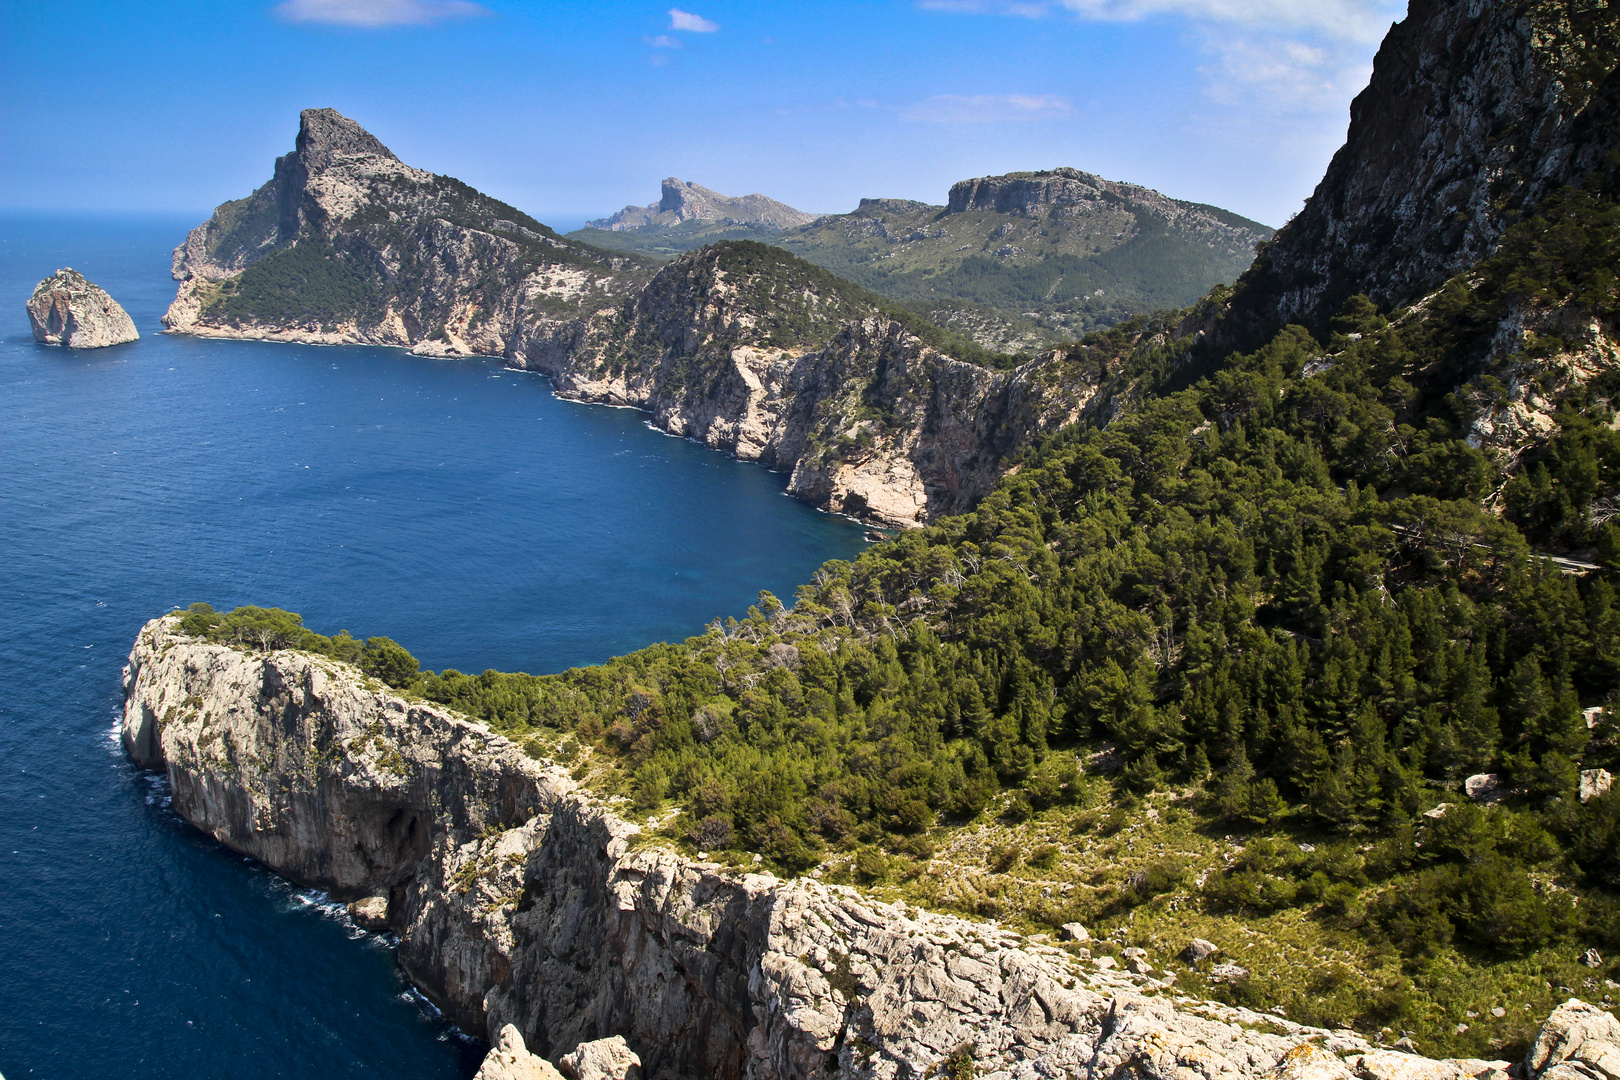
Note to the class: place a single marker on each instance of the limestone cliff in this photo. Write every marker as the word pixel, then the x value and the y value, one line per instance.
pixel 66 309
pixel 519 898
pixel 750 351
pixel 348 244
pixel 1477 110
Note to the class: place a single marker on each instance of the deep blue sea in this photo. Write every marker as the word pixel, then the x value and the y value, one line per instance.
pixel 454 506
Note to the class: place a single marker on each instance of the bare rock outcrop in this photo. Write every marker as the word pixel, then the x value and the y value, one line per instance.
pixel 603 1059
pixel 1065 193
pixel 521 900
pixel 1578 1042
pixel 757 354
pixel 67 309
pixel 509 1059
pixel 1477 110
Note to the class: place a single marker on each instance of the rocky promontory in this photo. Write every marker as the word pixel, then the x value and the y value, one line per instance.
pixel 521 899
pixel 348 244
pixel 67 309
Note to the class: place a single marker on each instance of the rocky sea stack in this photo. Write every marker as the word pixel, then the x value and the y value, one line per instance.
pixel 67 309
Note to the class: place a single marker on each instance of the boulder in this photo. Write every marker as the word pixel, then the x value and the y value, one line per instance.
pixel 1485 787
pixel 1228 973
pixel 1407 1065
pixel 604 1059
pixel 1592 958
pixel 1307 1061
pixel 68 310
pixel 370 913
pixel 1577 1042
pixel 509 1059
pixel 1595 783
pixel 1073 931
pixel 1198 950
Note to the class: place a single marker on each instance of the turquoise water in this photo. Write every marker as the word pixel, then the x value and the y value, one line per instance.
pixel 452 505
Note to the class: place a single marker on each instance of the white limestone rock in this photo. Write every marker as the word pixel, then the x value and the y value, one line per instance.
pixel 1577 1042
pixel 520 900
pixel 370 913
pixel 509 1059
pixel 602 1059
pixel 68 310
pixel 1199 950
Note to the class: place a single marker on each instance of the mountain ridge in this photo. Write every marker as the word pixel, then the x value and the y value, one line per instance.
pixel 682 201
pixel 1018 262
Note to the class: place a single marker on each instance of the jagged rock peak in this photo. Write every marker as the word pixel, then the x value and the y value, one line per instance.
pixel 69 310
pixel 1476 110
pixel 682 200
pixel 326 135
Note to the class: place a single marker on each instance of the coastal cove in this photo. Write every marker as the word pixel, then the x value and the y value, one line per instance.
pixel 453 505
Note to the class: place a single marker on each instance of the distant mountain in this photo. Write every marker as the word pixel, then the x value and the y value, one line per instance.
pixel 1015 261
pixel 684 203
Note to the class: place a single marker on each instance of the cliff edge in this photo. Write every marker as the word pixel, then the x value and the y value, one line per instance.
pixel 519 898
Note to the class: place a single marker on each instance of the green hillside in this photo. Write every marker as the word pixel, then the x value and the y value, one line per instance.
pixel 1014 281
pixel 1220 669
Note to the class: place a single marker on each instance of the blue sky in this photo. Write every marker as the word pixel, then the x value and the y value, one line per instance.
pixel 570 110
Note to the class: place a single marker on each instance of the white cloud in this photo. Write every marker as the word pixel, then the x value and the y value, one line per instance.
pixel 685 20
pixel 663 41
pixel 988 108
pixel 1287 56
pixel 378 13
pixel 1362 20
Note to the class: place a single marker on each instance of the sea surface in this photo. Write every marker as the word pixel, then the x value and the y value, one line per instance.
pixel 454 506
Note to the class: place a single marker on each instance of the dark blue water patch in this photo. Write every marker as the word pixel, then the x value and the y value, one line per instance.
pixel 452 505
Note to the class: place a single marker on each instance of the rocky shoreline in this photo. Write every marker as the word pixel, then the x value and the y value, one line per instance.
pixel 521 899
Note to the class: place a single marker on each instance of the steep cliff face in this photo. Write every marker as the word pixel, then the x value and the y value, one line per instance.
pixel 519 898
pixel 767 358
pixel 1477 110
pixel 66 309
pixel 346 243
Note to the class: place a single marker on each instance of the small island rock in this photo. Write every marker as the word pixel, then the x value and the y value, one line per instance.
pixel 66 309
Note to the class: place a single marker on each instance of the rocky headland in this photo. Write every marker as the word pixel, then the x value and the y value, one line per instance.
pixel 347 244
pixel 1477 114
pixel 533 913
pixel 66 309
